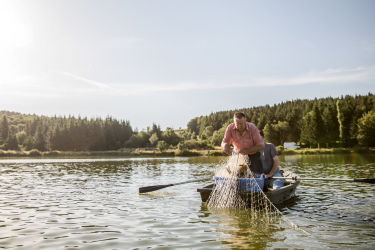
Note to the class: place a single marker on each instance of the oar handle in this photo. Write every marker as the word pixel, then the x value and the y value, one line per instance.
pixel 208 178
pixel 294 178
pixel 371 180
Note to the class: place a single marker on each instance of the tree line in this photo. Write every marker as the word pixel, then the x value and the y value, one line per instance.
pixel 28 132
pixel 344 121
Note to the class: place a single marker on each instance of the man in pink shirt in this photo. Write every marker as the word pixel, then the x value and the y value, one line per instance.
pixel 246 140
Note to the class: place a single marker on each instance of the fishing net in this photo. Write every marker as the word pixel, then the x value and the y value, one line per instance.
pixel 239 190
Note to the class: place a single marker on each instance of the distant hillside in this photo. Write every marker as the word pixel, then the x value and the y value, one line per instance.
pixel 26 132
pixel 330 122
pixel 319 121
pixel 18 131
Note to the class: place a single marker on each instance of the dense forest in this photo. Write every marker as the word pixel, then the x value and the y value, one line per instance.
pixel 328 122
pixel 26 132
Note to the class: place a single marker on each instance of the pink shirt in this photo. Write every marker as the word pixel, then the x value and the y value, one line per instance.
pixel 250 137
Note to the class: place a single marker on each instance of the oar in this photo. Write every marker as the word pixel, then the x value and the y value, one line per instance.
pixel 157 187
pixel 370 180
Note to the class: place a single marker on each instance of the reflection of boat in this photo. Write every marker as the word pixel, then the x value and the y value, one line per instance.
pixel 275 196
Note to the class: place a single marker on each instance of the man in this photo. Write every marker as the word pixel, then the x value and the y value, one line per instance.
pixel 271 168
pixel 246 140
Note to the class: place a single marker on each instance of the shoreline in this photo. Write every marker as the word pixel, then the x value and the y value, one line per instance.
pixel 170 152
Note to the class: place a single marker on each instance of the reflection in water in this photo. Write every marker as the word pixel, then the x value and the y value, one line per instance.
pixel 242 231
pixel 94 204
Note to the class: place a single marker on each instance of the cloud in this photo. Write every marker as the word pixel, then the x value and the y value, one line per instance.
pixel 91 82
pixel 51 84
pixel 62 84
pixel 329 76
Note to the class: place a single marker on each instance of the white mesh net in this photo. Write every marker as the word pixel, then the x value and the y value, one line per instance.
pixel 237 191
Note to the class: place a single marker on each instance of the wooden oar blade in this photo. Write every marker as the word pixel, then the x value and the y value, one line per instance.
pixel 370 180
pixel 152 188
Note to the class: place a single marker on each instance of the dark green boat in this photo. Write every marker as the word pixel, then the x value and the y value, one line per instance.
pixel 275 196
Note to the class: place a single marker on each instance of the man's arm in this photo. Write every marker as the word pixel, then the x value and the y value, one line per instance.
pixel 275 166
pixel 254 149
pixel 225 144
pixel 226 148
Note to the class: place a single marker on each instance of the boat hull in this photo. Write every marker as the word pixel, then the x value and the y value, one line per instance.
pixel 275 196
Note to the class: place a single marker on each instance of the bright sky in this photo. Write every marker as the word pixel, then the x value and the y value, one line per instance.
pixel 170 61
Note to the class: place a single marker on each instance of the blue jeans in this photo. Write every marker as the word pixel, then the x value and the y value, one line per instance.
pixel 275 183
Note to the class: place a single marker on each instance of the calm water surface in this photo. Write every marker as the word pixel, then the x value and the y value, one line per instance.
pixel 94 204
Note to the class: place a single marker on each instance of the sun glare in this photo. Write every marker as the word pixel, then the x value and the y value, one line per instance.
pixel 13 33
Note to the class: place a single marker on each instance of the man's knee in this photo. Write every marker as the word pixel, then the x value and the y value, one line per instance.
pixel 278 184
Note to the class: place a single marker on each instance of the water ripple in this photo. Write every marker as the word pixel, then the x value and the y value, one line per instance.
pixel 94 204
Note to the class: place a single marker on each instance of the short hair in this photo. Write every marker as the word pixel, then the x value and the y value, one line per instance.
pixel 239 115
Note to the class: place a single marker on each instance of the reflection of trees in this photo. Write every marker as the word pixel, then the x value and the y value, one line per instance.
pixel 243 230
pixel 330 165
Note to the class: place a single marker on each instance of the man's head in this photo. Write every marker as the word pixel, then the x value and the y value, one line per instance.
pixel 240 121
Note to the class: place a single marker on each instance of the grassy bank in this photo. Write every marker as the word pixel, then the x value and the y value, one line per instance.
pixel 117 153
pixel 312 151
pixel 169 152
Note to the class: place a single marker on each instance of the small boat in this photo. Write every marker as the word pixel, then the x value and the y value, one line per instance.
pixel 275 196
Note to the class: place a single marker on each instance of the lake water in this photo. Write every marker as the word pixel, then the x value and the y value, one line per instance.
pixel 94 204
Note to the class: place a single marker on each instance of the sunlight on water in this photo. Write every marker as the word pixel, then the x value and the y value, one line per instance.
pixel 94 204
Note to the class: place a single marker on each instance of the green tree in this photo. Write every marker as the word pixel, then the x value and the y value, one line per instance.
pixel 99 144
pixel 193 126
pixel 135 141
pixel 96 138
pixel 4 127
pixel 157 130
pixel 331 125
pixel 281 128
pixel 185 135
pixel 218 135
pixel 21 136
pixel 181 146
pixel 262 121
pixel 55 139
pixel 40 142
pixel 193 136
pixel 269 133
pixel 161 146
pixel 306 130
pixel 170 137
pixel 366 129
pixel 29 143
pixel 316 126
pixel 11 143
pixel 110 138
pixel 209 130
pixel 20 127
pixel 345 112
pixel 154 139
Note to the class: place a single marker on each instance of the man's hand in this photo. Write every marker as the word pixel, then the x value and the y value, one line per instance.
pixel 227 149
